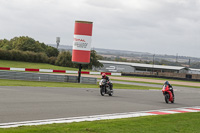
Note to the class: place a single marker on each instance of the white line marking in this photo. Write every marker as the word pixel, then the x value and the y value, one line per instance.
pixel 171 112
pixel 96 117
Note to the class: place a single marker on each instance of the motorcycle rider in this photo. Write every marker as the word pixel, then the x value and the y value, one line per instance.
pixel 107 80
pixel 170 86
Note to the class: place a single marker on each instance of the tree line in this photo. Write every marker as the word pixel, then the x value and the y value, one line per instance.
pixel 26 49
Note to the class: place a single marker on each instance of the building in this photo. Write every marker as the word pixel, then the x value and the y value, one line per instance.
pixel 194 71
pixel 113 66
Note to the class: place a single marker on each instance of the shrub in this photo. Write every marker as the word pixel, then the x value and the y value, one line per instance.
pixel 27 56
pixel 64 59
pixel 52 60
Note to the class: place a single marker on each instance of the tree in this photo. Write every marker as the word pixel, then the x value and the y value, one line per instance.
pixel 64 59
pixel 5 44
pixel 93 61
pixel 51 51
pixel 26 44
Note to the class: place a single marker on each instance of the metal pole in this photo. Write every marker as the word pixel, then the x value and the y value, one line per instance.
pixel 57 41
pixel 57 45
pixel 79 73
pixel 153 63
pixel 189 63
pixel 176 57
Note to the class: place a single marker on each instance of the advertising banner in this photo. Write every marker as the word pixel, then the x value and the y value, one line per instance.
pixel 82 42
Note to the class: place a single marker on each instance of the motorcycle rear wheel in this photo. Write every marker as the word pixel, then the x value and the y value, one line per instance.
pixel 172 101
pixel 111 93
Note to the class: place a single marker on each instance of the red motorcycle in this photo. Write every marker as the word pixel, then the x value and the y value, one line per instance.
pixel 167 94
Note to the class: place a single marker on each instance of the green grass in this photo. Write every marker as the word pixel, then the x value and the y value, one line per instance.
pixel 162 79
pixel 20 64
pixel 175 123
pixel 124 86
pixel 137 81
pixel 5 82
pixel 156 83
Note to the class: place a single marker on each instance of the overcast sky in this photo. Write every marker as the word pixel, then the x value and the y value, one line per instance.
pixel 154 26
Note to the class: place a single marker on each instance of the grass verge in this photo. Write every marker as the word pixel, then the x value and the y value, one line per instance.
pixel 156 83
pixel 176 123
pixel 5 82
pixel 162 79
pixel 21 64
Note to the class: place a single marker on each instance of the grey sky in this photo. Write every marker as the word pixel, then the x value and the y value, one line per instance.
pixel 155 26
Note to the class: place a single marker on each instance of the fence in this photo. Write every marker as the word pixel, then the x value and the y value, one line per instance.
pixel 44 77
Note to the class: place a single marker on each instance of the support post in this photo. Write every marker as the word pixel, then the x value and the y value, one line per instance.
pixel 79 73
pixel 153 64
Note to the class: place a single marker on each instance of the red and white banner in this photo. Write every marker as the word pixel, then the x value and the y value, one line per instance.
pixel 57 71
pixel 82 42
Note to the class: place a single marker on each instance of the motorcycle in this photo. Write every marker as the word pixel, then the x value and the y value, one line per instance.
pixel 105 88
pixel 167 94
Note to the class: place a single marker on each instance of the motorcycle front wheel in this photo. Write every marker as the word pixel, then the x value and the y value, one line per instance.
pixel 167 98
pixel 102 91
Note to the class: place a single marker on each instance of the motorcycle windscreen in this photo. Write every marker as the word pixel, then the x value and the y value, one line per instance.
pixel 163 88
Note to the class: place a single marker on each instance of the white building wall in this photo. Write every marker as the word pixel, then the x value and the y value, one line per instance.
pixel 194 72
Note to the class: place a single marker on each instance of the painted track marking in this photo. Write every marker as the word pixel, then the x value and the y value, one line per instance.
pixel 102 117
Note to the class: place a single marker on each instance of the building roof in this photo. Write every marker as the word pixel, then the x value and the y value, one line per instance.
pixel 143 65
pixel 194 69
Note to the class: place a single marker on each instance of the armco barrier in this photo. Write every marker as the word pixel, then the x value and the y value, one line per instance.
pixel 44 77
pixel 88 80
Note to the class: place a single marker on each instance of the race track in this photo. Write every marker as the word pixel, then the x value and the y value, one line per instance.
pixel 38 103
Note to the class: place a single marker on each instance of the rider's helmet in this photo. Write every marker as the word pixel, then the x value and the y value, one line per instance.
pixel 103 75
pixel 166 83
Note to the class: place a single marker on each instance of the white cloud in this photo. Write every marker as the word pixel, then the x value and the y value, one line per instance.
pixel 143 25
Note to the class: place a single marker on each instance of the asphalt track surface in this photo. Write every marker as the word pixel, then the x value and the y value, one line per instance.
pixel 38 103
